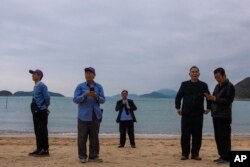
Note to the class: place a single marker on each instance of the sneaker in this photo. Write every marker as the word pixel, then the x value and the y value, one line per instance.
pixel 97 159
pixel 196 158
pixel 83 160
pixel 42 153
pixel 222 161
pixel 184 157
pixel 34 153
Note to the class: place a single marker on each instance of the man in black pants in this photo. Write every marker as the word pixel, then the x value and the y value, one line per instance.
pixel 126 119
pixel 39 109
pixel 222 100
pixel 192 94
pixel 88 96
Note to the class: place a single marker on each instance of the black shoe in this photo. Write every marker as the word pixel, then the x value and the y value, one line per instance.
pixel 222 161
pixel 133 146
pixel 34 153
pixel 42 153
pixel 120 146
pixel 196 158
pixel 96 159
pixel 184 157
pixel 216 160
pixel 83 160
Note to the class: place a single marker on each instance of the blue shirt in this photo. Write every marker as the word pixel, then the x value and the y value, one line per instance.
pixel 126 117
pixel 88 105
pixel 41 95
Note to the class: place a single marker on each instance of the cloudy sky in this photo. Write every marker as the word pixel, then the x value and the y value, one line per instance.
pixel 139 45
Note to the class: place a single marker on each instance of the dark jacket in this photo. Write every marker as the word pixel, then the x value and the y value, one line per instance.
pixel 224 94
pixel 119 107
pixel 192 96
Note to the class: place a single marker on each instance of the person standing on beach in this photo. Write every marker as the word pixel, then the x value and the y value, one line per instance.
pixel 191 93
pixel 39 109
pixel 89 95
pixel 126 119
pixel 222 100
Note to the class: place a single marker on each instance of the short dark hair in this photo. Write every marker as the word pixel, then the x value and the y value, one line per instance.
pixel 220 70
pixel 194 67
pixel 124 91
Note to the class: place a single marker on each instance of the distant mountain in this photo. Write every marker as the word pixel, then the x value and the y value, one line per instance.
pixel 242 89
pixel 154 95
pixel 23 93
pixel 163 93
pixel 168 92
pixel 56 94
pixel 132 96
pixel 5 93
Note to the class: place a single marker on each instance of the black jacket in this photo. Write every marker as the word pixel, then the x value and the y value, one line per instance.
pixel 192 96
pixel 224 94
pixel 119 107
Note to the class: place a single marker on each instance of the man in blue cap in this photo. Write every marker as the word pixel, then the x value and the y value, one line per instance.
pixel 39 109
pixel 89 95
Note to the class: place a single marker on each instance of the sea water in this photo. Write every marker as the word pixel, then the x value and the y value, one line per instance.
pixel 155 116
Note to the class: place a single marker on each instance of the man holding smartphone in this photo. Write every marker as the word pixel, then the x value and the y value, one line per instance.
pixel 191 94
pixel 89 95
pixel 222 100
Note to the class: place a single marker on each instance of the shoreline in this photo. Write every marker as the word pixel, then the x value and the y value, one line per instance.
pixel 113 136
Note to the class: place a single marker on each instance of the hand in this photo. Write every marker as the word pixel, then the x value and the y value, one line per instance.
pixel 88 93
pixel 206 94
pixel 207 111
pixel 210 97
pixel 179 112
pixel 91 93
pixel 127 105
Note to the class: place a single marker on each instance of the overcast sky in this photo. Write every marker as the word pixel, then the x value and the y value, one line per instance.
pixel 139 45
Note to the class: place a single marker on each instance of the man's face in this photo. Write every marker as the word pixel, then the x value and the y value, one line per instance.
pixel 89 76
pixel 219 78
pixel 124 95
pixel 194 74
pixel 36 77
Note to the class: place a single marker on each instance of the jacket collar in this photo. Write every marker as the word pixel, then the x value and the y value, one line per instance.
pixel 224 83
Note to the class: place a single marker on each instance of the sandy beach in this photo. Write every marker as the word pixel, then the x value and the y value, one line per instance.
pixel 150 152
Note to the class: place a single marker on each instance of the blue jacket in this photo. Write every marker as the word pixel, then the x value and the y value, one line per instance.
pixel 41 96
pixel 87 105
